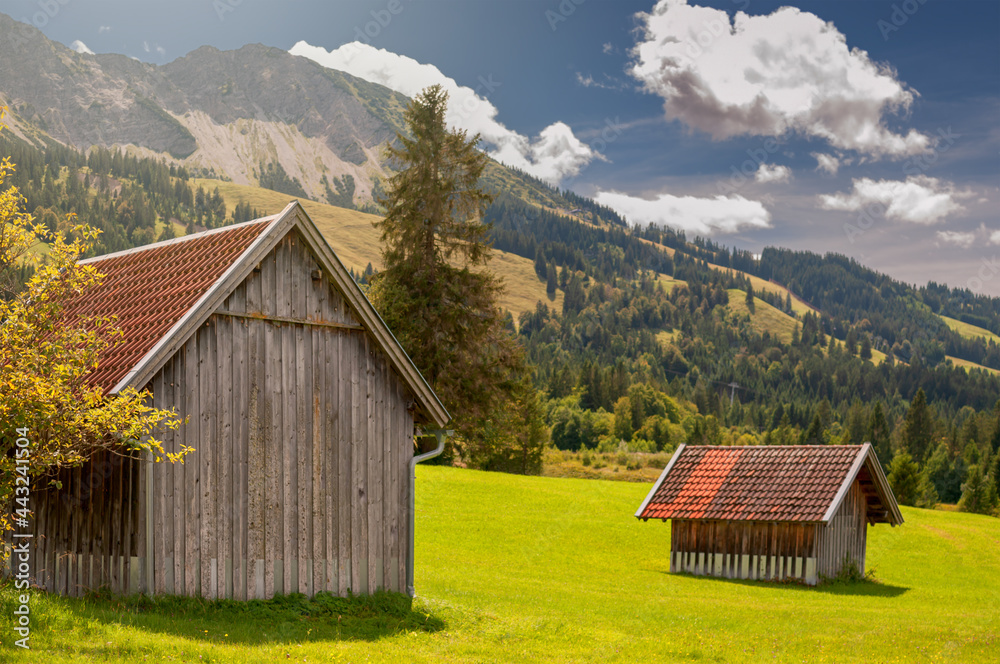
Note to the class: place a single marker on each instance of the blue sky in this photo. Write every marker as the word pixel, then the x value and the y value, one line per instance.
pixel 875 122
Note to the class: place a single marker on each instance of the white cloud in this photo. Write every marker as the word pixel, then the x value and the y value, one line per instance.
pixel 789 71
pixel 162 51
pixel 145 46
pixel 608 47
pixel 726 214
pixel 995 237
pixel 554 155
pixel 768 173
pixel 104 28
pixel 919 199
pixel 826 162
pixel 80 47
pixel 963 239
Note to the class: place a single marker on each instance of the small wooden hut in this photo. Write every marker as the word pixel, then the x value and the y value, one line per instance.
pixel 301 407
pixel 770 512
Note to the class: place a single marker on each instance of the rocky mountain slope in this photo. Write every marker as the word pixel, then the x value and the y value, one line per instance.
pixel 227 112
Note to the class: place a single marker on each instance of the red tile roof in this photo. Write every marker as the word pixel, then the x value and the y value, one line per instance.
pixel 751 483
pixel 149 289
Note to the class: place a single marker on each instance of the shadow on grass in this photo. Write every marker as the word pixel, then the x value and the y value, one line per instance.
pixel 284 619
pixel 866 587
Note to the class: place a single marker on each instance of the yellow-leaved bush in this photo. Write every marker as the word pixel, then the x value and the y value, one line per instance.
pixel 45 359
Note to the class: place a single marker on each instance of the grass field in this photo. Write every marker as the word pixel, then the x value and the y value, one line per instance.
pixel 513 569
pixel 966 364
pixel 356 242
pixel 765 317
pixel 970 331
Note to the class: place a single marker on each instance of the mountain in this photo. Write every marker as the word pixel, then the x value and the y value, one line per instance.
pixel 642 338
pixel 257 115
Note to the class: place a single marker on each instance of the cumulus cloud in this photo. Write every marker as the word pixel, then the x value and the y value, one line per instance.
pixel 995 237
pixel 963 239
pixel 80 47
pixel 789 71
pixel 555 154
pixel 768 173
pixel 826 162
pixel 919 199
pixel 725 214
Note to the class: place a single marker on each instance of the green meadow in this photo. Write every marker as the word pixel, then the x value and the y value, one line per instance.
pixel 513 569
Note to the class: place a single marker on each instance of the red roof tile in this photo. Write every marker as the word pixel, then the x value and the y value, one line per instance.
pixel 752 483
pixel 149 289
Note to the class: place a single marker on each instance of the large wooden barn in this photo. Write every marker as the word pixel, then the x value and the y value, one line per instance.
pixel 301 407
pixel 770 512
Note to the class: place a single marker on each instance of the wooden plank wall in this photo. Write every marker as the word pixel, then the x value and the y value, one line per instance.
pixel 299 481
pixel 88 534
pixel 845 536
pixel 303 438
pixel 744 550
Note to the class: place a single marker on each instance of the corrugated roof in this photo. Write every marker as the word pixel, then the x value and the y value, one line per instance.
pixel 752 483
pixel 149 289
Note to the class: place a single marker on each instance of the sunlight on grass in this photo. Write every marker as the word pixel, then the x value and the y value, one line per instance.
pixel 513 569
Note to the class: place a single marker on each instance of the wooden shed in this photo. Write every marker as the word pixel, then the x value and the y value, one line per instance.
pixel 770 512
pixel 301 407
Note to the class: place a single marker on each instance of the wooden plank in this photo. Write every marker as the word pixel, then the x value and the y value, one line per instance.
pixel 345 477
pixel 331 483
pixel 303 436
pixel 256 463
pixel 242 415
pixel 374 445
pixel 319 458
pixel 403 470
pixel 77 506
pixel 192 490
pixel 208 400
pixel 273 464
pixel 360 440
pixel 389 486
pixel 225 500
pixel 288 434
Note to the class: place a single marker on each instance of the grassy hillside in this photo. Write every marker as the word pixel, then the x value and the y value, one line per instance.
pixel 965 364
pixel 356 241
pixel 970 331
pixel 516 568
pixel 765 317
pixel 799 307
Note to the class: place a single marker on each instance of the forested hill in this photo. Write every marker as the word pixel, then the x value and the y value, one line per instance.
pixel 657 338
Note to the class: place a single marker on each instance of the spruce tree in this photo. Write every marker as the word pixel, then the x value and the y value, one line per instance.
pixel 878 435
pixel 749 299
pixel 440 300
pixel 918 428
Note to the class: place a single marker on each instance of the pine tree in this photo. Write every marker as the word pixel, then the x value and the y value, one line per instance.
pixel 977 494
pixel 904 478
pixel 439 299
pixel 918 427
pixel 878 435
pixel 866 348
pixel 749 299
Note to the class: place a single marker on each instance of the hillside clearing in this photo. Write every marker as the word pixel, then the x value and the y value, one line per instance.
pixel 967 365
pixel 970 331
pixel 356 242
pixel 516 568
pixel 765 317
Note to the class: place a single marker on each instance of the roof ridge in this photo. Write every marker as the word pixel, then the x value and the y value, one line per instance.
pixel 177 240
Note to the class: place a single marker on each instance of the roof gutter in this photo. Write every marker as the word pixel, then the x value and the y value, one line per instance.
pixel 442 436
